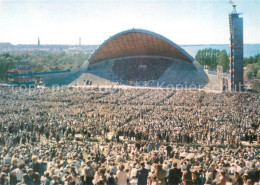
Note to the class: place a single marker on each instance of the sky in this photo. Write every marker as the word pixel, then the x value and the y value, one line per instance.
pixel 182 21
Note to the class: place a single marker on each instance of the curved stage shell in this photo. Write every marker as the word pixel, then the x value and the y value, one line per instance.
pixel 139 58
pixel 138 42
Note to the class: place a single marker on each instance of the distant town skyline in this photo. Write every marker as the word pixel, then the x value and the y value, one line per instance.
pixel 182 21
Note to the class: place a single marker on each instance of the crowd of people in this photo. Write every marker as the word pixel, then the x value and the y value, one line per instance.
pixel 141 68
pixel 95 136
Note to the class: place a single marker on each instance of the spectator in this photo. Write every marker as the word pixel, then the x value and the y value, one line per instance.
pixel 160 175
pixel 36 166
pixel 122 177
pixel 174 177
pixel 142 175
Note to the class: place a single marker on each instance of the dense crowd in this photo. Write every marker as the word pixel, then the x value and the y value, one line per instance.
pixel 141 68
pixel 128 136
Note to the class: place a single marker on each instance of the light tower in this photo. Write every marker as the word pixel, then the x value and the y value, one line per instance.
pixel 79 41
pixel 236 50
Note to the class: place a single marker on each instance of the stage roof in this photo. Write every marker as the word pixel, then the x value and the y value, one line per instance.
pixel 138 42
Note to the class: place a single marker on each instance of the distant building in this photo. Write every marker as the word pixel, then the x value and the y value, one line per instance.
pixel 79 41
pixel 236 53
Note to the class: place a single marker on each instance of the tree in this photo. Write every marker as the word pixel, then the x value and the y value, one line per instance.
pixel 42 61
pixel 249 75
pixel 252 60
pixel 256 86
pixel 258 74
pixel 208 58
pixel 223 60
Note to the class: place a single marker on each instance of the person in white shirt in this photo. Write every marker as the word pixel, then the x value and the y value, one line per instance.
pixel 122 176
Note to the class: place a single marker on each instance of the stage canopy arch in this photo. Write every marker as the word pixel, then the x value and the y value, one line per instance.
pixel 138 42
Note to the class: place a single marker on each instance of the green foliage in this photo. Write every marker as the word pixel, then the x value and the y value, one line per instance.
pixel 252 60
pixel 7 61
pixel 208 58
pixel 223 60
pixel 253 70
pixel 249 75
pixel 252 65
pixel 57 61
pixel 256 86
pixel 42 62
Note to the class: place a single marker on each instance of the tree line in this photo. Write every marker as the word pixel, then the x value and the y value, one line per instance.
pixel 211 58
pixel 252 65
pixel 42 62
